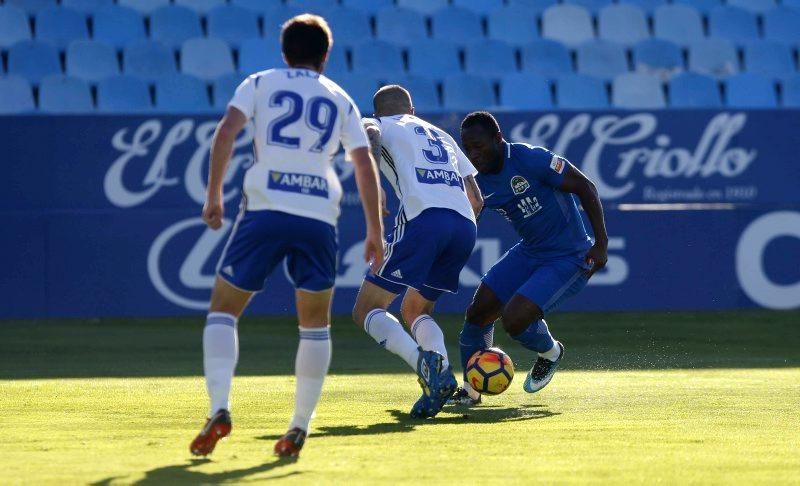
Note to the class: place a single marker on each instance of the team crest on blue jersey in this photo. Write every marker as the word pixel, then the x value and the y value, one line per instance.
pixel 519 185
pixel 301 183
pixel 439 176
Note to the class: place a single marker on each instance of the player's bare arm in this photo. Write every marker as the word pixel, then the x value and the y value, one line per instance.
pixel 473 194
pixel 580 185
pixel 368 189
pixel 374 136
pixel 221 150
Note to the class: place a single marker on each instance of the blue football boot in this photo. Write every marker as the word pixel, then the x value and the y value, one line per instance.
pixel 429 369
pixel 439 391
pixel 542 372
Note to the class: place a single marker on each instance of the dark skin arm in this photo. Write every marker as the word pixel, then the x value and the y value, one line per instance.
pixel 578 184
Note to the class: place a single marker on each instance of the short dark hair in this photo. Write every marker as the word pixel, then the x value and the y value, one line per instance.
pixel 391 99
pixel 483 119
pixel 306 39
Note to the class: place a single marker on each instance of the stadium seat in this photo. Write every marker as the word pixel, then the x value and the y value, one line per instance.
pixel 206 58
pixel 257 6
pixel 795 4
pixel 601 59
pixel 568 24
pixel 782 25
pixel 320 7
pixel 60 25
pixel 259 54
pixel 657 56
pixel 679 24
pixel 463 92
pixel 144 6
pixel 433 59
pixel 534 6
pixel 703 6
pixel 692 90
pixel 623 24
pixel 173 25
pixel 378 58
pixel 88 7
pixel 400 26
pixel 14 26
pixel 64 94
pixel 514 25
pixel 425 7
pixel 769 59
pixel 368 6
pixel 458 26
pixel 755 6
pixel 275 16
pixel 232 24
pixel 350 27
pixel 31 7
pixel 593 6
pixel 732 23
pixel 148 60
pixel 123 94
pixel 637 91
pixel 181 93
pixel 749 90
pixel 337 61
pixel 117 26
pixel 578 92
pixel 791 91
pixel 647 6
pixel 524 91
pixel 360 87
pixel 33 60
pixel 223 88
pixel 201 6
pixel 480 7
pixel 491 58
pixel 547 58
pixel 715 57
pixel 16 96
pixel 91 60
pixel 424 95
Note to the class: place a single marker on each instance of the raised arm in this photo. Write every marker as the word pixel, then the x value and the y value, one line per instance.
pixel 580 185
pixel 368 187
pixel 221 150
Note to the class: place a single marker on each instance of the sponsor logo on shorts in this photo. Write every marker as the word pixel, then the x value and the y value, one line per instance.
pixel 558 164
pixel 301 183
pixel 519 185
pixel 439 176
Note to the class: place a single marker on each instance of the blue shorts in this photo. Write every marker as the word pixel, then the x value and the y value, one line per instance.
pixel 427 254
pixel 547 283
pixel 261 239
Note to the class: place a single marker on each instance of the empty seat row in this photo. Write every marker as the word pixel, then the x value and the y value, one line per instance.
pixel 184 93
pixel 178 93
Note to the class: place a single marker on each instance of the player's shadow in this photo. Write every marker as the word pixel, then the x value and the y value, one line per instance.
pixel 451 415
pixel 181 474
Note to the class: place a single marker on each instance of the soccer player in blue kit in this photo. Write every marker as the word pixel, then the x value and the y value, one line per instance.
pixel 535 191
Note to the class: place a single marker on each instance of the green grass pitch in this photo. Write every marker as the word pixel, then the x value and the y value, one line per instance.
pixel 676 398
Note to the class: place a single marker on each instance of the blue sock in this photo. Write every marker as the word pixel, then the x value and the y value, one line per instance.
pixel 536 337
pixel 472 339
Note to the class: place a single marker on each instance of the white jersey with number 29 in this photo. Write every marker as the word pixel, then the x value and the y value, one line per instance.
pixel 300 118
pixel 424 165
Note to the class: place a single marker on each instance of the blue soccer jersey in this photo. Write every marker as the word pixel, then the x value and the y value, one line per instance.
pixel 526 193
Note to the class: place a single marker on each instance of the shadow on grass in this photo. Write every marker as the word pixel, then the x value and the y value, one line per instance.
pixel 404 423
pixel 182 474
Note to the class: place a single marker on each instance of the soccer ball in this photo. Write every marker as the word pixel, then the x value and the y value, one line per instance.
pixel 490 371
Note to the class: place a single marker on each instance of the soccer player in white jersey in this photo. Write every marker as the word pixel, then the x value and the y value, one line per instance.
pixel 433 238
pixel 289 210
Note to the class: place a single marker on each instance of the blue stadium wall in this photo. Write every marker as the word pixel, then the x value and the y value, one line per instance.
pixel 101 215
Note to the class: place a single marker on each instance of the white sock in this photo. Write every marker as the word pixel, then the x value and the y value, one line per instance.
pixel 553 353
pixel 387 331
pixel 471 391
pixel 310 367
pixel 429 336
pixel 220 354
